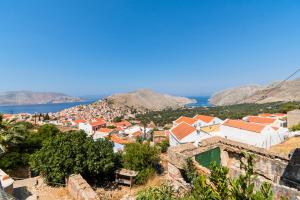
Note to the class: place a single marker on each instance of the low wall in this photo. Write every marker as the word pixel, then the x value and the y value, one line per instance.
pixel 270 167
pixel 79 189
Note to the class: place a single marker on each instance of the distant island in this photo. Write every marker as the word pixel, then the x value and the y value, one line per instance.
pixel 30 98
pixel 288 91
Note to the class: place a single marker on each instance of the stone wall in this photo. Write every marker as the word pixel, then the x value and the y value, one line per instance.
pixel 269 166
pixel 79 189
pixel 293 118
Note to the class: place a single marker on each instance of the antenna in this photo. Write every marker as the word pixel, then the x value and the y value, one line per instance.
pixel 277 86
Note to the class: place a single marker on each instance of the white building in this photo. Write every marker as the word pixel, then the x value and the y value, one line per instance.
pixel 91 127
pixel 183 133
pixel 271 121
pixel 255 134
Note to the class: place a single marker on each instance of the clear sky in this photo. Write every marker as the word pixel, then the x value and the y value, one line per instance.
pixel 181 47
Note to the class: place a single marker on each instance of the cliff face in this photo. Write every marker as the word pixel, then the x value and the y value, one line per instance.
pixel 288 91
pixel 29 97
pixel 146 99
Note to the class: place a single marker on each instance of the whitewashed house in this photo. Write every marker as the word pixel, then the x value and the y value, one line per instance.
pixel 255 134
pixel 204 120
pixel 183 133
pixel 91 127
pixel 271 121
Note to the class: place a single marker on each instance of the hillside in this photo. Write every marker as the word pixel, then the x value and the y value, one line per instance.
pixel 288 91
pixel 146 99
pixel 29 97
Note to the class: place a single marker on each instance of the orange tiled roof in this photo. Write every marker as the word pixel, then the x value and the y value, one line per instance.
pixel 182 130
pixel 187 120
pixel 123 123
pixel 118 140
pixel 105 130
pixel 265 115
pixel 77 121
pixel 240 124
pixel 261 120
pixel 97 123
pixel 204 118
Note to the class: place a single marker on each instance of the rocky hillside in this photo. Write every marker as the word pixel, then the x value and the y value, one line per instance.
pixel 288 91
pixel 148 100
pixel 29 97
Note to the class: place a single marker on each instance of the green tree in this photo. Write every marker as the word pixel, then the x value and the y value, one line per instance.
pixel 142 158
pixel 11 135
pixel 72 153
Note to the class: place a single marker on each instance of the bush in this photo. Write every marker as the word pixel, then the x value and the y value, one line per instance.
pixel 73 153
pixel 295 128
pixel 164 146
pixel 142 158
pixel 163 192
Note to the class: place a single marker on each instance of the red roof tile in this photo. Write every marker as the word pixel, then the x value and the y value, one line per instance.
pixel 187 120
pixel 182 130
pixel 118 140
pixel 261 120
pixel 240 124
pixel 204 118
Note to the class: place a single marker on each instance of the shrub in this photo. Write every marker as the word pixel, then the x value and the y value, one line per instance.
pixel 163 192
pixel 164 145
pixel 142 158
pixel 73 153
pixel 295 128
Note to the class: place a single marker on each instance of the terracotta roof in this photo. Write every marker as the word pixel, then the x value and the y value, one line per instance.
pixel 204 118
pixel 123 123
pixel 265 115
pixel 182 130
pixel 261 120
pixel 97 123
pixel 77 121
pixel 117 139
pixel 105 130
pixel 240 124
pixel 187 120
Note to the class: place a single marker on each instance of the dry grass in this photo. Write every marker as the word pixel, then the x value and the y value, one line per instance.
pixel 287 146
pixel 125 190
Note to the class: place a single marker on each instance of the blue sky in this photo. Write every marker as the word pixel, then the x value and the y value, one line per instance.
pixel 181 47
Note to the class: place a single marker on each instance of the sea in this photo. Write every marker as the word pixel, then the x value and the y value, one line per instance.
pixel 201 101
pixel 51 108
pixel 41 108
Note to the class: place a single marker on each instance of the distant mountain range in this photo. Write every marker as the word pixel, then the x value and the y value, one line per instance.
pixel 146 99
pixel 29 97
pixel 288 91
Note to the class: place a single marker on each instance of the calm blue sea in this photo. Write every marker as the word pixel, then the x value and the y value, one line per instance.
pixel 46 108
pixel 40 108
pixel 201 101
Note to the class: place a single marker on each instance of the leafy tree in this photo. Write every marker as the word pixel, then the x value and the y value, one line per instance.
pixel 142 158
pixel 11 135
pixel 117 119
pixel 72 153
